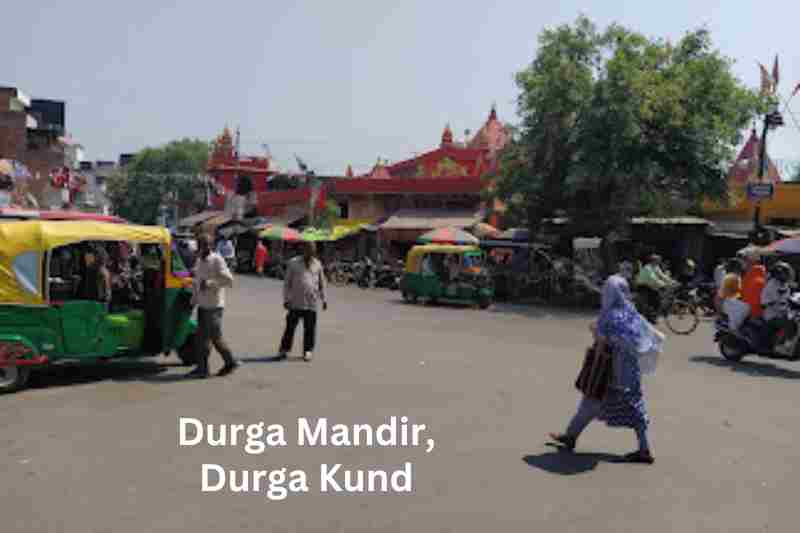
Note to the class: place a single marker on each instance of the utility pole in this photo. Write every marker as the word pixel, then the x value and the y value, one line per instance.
pixel 772 120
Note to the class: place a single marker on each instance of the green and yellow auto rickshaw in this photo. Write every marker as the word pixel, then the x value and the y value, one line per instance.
pixel 45 319
pixel 447 273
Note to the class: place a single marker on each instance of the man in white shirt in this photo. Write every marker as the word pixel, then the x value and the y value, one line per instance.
pixel 211 277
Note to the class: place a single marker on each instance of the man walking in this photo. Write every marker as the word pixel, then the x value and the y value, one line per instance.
pixel 211 277
pixel 303 291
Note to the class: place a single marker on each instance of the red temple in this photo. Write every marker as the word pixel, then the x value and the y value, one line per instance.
pixel 443 182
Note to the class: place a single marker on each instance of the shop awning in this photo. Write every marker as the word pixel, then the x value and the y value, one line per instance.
pixel 199 218
pixel 342 228
pixel 427 219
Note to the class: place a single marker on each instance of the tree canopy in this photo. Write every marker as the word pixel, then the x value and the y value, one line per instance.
pixel 138 191
pixel 615 124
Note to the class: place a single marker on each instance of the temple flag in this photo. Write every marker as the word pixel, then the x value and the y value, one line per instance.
pixel 775 72
pixel 766 82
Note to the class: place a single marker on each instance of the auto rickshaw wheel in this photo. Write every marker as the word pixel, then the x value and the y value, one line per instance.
pixel 13 378
pixel 484 302
pixel 187 352
pixel 410 298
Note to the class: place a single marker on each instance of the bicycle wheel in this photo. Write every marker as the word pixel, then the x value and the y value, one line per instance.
pixel 682 317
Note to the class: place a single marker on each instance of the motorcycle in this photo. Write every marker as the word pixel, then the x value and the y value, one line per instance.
pixel 387 278
pixel 366 275
pixel 753 337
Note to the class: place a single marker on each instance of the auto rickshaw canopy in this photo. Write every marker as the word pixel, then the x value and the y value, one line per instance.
pixel 23 245
pixel 415 255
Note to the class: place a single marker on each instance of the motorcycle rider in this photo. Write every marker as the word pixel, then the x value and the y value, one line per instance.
pixel 729 303
pixel 753 282
pixel 775 301
pixel 732 279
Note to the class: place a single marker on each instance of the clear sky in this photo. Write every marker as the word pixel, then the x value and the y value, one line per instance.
pixel 337 82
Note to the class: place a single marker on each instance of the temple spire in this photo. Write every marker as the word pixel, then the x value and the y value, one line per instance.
pixel 447 136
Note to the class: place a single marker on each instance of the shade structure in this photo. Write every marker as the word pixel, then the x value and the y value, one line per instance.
pixel 448 236
pixel 280 233
pixel 785 246
pixel 483 230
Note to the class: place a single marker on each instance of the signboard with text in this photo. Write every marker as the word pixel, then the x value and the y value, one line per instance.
pixel 758 192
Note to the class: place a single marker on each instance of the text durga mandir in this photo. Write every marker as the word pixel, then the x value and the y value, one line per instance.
pixel 256 438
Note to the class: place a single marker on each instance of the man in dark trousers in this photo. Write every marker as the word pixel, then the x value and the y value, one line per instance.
pixel 303 292
pixel 211 277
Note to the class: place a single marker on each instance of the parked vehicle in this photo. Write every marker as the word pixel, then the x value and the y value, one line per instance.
pixel 389 276
pixel 44 320
pixel 428 276
pixel 753 337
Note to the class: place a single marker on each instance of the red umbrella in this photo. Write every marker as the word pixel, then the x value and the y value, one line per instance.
pixel 448 236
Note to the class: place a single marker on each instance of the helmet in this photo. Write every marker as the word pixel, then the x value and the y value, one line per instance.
pixel 783 272
pixel 734 265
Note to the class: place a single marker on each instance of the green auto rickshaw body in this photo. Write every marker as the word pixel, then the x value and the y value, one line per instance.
pixel 53 331
pixel 473 284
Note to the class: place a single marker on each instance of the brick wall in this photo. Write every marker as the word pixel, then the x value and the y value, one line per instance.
pixel 40 161
pixel 12 135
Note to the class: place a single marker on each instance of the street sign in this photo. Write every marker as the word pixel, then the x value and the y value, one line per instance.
pixel 760 191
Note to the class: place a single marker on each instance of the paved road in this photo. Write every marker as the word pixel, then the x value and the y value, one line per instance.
pixel 95 450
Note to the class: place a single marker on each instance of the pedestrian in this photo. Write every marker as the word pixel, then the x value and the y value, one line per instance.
pixel 303 292
pixel 633 346
pixel 262 256
pixel 211 277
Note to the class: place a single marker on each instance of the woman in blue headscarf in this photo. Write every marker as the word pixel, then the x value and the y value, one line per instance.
pixel 634 345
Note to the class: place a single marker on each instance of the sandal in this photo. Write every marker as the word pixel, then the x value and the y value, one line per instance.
pixel 565 441
pixel 640 457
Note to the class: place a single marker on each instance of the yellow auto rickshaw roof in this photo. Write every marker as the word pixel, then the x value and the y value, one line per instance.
pixel 42 235
pixel 23 244
pixel 417 252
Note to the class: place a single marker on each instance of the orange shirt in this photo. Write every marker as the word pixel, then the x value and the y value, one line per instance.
pixel 753 283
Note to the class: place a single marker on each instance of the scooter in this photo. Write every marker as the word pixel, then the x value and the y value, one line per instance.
pixel 387 278
pixel 753 338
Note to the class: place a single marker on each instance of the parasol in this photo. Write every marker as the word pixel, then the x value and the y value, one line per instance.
pixel 483 230
pixel 280 233
pixel 448 236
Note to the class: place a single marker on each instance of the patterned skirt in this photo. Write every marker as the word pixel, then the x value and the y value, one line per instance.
pixel 624 405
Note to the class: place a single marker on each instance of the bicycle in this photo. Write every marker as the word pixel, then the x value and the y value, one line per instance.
pixel 680 314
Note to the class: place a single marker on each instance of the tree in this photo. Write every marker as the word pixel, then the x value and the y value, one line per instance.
pixel 616 124
pixel 157 174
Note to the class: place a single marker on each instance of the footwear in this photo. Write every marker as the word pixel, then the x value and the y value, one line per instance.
pixel 281 356
pixel 197 374
pixel 308 356
pixel 227 369
pixel 640 457
pixel 565 441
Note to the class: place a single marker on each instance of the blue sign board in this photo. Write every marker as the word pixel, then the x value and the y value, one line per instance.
pixel 760 191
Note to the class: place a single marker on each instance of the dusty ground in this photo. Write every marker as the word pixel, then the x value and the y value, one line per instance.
pixel 91 450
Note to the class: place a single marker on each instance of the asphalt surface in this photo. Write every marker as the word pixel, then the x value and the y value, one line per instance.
pixel 96 449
